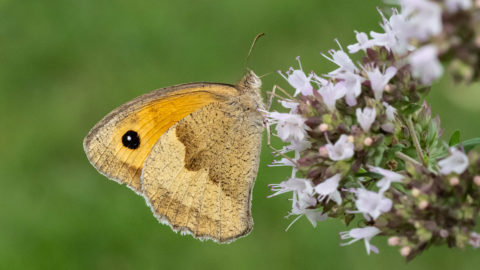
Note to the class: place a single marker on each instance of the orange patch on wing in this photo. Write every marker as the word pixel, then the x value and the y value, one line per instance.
pixel 154 119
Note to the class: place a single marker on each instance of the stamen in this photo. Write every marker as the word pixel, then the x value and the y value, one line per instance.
pixel 299 63
pixel 297 218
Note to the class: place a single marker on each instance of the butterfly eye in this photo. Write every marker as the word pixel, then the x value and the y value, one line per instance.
pixel 131 139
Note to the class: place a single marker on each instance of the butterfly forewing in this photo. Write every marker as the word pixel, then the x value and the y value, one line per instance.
pixel 119 144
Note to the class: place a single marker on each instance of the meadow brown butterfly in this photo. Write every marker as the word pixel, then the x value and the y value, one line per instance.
pixel 191 150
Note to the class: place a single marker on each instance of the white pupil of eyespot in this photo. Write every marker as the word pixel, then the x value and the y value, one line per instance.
pixel 129 138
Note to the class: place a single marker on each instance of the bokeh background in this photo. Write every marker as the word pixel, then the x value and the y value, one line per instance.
pixel 64 64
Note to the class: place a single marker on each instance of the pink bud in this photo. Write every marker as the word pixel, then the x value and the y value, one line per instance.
pixel 477 41
pixel 423 205
pixel 388 88
pixel 454 181
pixel 476 180
pixel 394 241
pixel 323 127
pixel 405 251
pixel 323 151
pixel 368 141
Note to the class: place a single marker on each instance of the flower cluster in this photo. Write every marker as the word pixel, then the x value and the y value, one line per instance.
pixel 363 144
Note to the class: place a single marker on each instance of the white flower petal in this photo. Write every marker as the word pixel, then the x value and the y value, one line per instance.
pixel 371 203
pixel 342 149
pixel 424 18
pixel 456 5
pixel 300 82
pixel 425 64
pixel 379 80
pixel 457 162
pixel 329 189
pixel 289 126
pixel 366 117
pixel 315 216
pixel 363 43
pixel 388 177
pixel 331 93
pixel 342 60
pixel 366 234
pixel 298 185
pixel 390 111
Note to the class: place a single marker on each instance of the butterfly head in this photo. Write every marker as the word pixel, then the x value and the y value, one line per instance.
pixel 250 82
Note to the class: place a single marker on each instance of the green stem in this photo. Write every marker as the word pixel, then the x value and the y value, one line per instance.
pixel 415 140
pixel 406 158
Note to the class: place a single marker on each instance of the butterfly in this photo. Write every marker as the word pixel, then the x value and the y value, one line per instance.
pixel 191 150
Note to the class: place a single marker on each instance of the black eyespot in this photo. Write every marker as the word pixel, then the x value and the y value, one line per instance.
pixel 131 140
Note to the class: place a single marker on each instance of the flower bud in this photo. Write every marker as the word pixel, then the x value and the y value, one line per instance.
pixel 405 251
pixel 323 151
pixel 415 192
pixel 477 42
pixel 368 141
pixel 454 181
pixel 423 205
pixel 323 127
pixel 394 241
pixel 476 180
pixel 388 88
pixel 444 233
pixel 474 240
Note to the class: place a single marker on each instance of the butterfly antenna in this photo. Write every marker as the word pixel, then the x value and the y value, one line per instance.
pixel 265 75
pixel 251 48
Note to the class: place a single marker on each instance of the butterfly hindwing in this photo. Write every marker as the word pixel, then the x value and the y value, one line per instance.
pixel 199 175
pixel 119 144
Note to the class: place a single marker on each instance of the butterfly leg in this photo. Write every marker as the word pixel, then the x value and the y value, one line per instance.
pixel 272 94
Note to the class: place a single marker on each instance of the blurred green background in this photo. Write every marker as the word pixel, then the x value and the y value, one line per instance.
pixel 64 64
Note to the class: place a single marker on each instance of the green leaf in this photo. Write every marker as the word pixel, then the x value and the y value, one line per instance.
pixel 455 138
pixel 362 170
pixel 369 174
pixel 470 144
pixel 390 154
pixel 411 108
pixel 349 218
